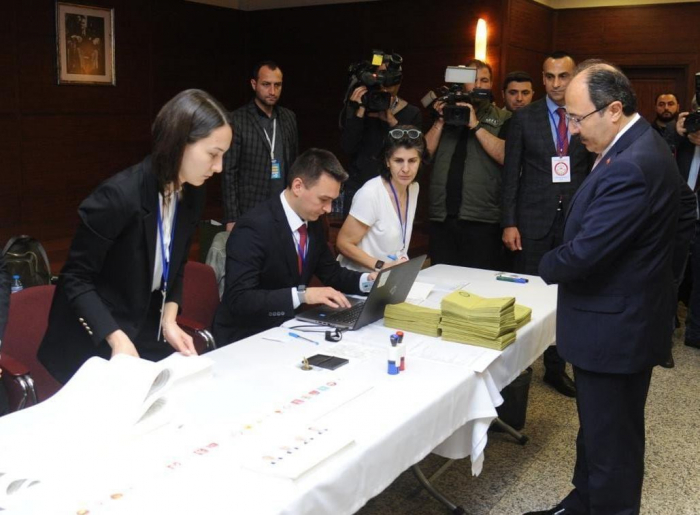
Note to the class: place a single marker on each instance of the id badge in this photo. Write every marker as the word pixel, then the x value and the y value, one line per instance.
pixel 561 169
pixel 276 172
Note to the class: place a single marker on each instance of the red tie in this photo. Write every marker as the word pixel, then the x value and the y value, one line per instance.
pixel 301 251
pixel 562 133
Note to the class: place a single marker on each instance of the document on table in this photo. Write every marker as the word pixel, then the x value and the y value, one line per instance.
pixel 470 356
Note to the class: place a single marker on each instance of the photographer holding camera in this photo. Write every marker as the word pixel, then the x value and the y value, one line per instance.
pixel 467 148
pixel 372 109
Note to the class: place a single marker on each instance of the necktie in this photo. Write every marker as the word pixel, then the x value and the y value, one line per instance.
pixel 301 251
pixel 562 133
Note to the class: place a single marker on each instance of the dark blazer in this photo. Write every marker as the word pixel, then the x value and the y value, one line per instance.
pixel 262 267
pixel 615 269
pixel 5 281
pixel 106 282
pixel 529 199
pixel 246 176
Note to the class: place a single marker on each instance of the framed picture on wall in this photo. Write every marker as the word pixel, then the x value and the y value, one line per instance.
pixel 85 44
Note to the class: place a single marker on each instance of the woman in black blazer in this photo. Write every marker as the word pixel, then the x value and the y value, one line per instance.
pixel 115 282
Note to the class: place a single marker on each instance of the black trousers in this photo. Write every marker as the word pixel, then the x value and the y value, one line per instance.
pixel 527 261
pixel 465 243
pixel 610 444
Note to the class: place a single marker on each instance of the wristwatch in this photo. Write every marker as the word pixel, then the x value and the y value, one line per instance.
pixel 378 265
pixel 301 293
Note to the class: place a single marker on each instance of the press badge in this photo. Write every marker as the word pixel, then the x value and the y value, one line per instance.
pixel 561 169
pixel 276 172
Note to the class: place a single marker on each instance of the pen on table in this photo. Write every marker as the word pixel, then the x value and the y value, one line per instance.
pixel 295 335
pixel 510 279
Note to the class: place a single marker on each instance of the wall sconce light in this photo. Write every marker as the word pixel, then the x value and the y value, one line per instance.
pixel 480 42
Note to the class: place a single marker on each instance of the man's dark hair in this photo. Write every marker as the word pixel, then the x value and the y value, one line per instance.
pixel 256 69
pixel 560 54
pixel 189 116
pixel 311 164
pixel 517 76
pixel 476 63
pixel 606 84
pixel 662 94
pixel 392 144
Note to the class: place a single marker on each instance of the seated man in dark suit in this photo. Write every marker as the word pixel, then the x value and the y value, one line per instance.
pixel 277 247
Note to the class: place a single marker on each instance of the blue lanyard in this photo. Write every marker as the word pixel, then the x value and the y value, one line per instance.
pixel 402 223
pixel 166 260
pixel 560 143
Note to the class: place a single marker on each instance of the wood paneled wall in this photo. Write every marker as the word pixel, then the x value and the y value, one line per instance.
pixel 58 142
pixel 529 38
pixel 652 36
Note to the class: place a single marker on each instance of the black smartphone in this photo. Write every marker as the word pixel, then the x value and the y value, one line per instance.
pixel 327 362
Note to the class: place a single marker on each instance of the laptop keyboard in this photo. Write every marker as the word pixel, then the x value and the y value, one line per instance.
pixel 347 316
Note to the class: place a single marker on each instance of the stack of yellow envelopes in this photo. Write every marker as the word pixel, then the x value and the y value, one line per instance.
pixel 409 317
pixel 487 322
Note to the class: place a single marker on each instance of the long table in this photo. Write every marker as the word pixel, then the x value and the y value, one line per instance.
pixel 444 402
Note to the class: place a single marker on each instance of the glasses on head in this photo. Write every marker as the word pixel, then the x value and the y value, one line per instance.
pixel 576 120
pixel 400 133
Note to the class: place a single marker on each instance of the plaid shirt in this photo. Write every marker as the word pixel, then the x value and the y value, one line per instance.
pixel 247 168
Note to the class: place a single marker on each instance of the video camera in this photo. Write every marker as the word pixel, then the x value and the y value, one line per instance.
pixel 692 121
pixel 456 77
pixel 367 73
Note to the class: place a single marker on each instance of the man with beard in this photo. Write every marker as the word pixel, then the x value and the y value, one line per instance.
pixel 265 144
pixel 666 111
pixel 465 184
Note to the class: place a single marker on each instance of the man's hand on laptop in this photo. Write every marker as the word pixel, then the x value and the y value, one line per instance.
pixel 326 295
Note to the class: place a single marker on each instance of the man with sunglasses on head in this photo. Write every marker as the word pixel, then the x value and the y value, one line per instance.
pixel 363 131
pixel 465 183
pixel 544 166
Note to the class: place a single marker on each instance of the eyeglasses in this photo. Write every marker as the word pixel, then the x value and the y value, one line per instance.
pixel 576 120
pixel 400 133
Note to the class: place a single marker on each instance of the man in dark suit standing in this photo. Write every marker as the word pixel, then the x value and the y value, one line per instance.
pixel 265 144
pixel 616 270
pixel 544 166
pixel 276 249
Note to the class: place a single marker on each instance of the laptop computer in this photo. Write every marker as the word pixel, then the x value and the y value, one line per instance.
pixel 391 287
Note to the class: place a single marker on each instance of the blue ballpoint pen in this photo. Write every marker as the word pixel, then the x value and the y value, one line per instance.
pixel 512 279
pixel 295 335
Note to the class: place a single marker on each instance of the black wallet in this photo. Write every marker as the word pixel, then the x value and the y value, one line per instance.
pixel 328 362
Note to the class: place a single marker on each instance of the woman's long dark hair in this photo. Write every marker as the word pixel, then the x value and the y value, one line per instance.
pixel 188 117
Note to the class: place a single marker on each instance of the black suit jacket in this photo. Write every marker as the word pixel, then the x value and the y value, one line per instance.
pixel 106 282
pixel 245 181
pixel 5 281
pixel 617 267
pixel 262 267
pixel 530 199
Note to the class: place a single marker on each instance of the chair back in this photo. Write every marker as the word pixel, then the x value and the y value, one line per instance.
pixel 26 326
pixel 200 293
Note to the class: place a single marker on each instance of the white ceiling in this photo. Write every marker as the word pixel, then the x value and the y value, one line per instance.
pixel 255 5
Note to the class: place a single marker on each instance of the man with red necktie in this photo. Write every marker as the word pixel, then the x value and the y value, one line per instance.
pixel 277 248
pixel 544 166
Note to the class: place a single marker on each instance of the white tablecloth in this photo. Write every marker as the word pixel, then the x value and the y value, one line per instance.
pixel 445 398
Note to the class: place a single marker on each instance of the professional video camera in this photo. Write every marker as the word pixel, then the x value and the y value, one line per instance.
pixel 367 73
pixel 692 121
pixel 456 77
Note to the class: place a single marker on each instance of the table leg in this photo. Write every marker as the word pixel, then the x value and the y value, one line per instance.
pixel 456 510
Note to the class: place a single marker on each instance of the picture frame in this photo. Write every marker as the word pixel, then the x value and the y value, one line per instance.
pixel 85 45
